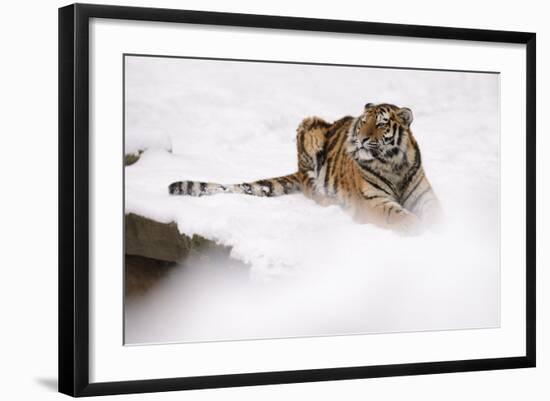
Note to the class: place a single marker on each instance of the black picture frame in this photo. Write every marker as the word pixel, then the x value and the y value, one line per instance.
pixel 74 198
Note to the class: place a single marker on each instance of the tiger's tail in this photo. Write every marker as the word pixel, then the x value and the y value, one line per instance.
pixel 277 186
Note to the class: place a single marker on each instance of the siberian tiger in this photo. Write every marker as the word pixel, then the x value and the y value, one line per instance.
pixel 369 165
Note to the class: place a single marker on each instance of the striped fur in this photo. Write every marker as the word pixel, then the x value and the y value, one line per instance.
pixel 287 184
pixel 370 165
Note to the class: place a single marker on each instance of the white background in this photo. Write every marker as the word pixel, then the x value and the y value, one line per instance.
pixel 29 218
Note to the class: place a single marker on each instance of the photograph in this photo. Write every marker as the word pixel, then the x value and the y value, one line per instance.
pixel 279 199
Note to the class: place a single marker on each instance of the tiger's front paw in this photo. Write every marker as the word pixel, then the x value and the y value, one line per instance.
pixel 409 224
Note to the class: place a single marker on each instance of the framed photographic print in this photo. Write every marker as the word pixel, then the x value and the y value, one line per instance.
pixel 250 199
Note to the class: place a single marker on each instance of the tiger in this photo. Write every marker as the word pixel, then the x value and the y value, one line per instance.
pixel 368 165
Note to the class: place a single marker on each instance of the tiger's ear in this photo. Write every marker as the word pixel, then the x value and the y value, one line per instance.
pixel 405 115
pixel 368 105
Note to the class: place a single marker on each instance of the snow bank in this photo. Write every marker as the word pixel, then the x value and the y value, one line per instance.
pixel 231 122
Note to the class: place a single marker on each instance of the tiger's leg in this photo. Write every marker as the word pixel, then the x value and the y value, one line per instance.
pixel 378 208
pixel 421 200
pixel 310 140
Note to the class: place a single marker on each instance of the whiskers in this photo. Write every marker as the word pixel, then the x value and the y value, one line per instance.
pixel 371 145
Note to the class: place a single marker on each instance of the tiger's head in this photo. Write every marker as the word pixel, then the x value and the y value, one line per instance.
pixel 381 133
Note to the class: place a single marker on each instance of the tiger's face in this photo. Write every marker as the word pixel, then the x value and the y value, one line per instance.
pixel 381 132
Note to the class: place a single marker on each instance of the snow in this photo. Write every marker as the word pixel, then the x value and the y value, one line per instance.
pixel 312 270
